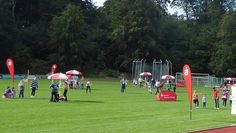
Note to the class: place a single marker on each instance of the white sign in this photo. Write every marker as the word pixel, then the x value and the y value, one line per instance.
pixel 9 63
pixel 186 71
pixel 233 92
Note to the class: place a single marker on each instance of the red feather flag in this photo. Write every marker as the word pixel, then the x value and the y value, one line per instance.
pixel 10 66
pixel 53 68
pixel 187 75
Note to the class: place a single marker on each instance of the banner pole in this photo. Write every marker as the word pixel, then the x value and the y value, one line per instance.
pixel 28 81
pixel 186 72
pixel 13 84
pixel 190 114
pixel 191 111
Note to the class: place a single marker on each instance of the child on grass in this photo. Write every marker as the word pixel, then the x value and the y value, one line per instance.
pixel 195 99
pixel 204 101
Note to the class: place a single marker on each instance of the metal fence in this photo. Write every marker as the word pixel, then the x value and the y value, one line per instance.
pixel 21 76
pixel 202 79
pixel 158 68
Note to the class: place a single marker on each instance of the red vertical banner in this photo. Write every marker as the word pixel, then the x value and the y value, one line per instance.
pixel 187 75
pixel 10 66
pixel 53 68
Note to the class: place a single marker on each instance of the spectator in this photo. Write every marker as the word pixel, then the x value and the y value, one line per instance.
pixel 204 101
pixel 82 83
pixel 122 88
pixel 195 99
pixel 216 97
pixel 126 82
pixel 65 91
pixel 140 80
pixel 54 87
pixel 13 92
pixel 33 86
pixel 88 87
pixel 21 89
pixel 7 93
pixel 224 95
pixel 224 98
pixel 135 82
pixel 71 84
pixel 158 85
pixel 153 82
pixel 149 87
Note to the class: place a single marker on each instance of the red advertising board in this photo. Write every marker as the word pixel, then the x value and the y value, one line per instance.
pixel 166 95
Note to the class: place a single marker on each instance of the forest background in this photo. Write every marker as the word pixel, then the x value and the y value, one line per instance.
pixel 76 34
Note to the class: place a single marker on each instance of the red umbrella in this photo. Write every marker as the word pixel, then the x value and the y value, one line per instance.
pixel 56 76
pixel 145 74
pixel 73 72
pixel 69 77
pixel 228 78
pixel 167 77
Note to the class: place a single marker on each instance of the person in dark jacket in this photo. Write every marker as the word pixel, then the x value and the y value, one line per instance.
pixel 54 87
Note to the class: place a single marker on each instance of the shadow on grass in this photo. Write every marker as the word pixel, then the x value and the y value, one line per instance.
pixel 35 98
pixel 138 93
pixel 84 101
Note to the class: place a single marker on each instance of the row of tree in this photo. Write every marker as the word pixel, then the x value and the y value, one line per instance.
pixel 75 34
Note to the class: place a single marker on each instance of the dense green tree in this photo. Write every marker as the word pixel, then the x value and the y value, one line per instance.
pixel 134 30
pixel 69 34
pixel 75 34
pixel 8 32
pixel 223 60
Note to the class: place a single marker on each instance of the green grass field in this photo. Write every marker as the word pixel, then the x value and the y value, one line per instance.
pixel 107 110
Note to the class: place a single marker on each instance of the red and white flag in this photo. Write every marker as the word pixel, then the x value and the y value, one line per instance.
pixel 187 75
pixel 53 68
pixel 10 66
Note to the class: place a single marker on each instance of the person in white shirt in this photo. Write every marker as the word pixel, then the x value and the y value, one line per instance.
pixel 140 80
pixel 88 87
pixel 157 85
pixel 204 101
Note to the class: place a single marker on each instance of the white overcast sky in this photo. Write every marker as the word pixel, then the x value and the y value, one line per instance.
pixel 171 10
pixel 98 2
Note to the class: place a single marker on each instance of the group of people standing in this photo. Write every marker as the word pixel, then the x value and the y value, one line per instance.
pixel 225 95
pixel 55 93
pixel 77 83
pixel 12 92
pixel 154 84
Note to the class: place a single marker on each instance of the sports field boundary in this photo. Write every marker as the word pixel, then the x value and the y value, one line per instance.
pixel 222 129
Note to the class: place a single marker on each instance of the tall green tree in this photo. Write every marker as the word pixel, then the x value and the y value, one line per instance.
pixel 69 39
pixel 8 32
pixel 134 30
pixel 223 59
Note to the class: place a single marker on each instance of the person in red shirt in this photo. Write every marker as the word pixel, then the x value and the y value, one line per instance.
pixel 216 97
pixel 195 99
